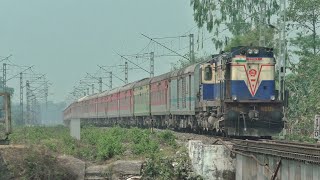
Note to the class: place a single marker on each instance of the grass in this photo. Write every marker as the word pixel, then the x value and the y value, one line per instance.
pixel 159 149
pixel 96 144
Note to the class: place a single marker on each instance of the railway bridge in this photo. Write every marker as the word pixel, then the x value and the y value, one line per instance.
pixel 276 160
pixel 248 159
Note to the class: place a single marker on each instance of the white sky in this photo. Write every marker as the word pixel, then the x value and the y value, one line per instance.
pixel 67 38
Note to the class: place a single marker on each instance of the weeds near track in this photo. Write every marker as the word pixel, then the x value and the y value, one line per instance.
pixel 159 149
pixel 96 144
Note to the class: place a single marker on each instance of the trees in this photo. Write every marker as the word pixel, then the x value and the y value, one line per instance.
pixel 303 80
pixel 238 17
pixel 251 38
pixel 304 16
pixel 303 84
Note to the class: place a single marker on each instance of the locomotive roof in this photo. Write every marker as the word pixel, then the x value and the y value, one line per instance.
pixel 263 51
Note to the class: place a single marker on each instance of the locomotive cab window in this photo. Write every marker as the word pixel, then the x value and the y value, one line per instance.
pixel 207 73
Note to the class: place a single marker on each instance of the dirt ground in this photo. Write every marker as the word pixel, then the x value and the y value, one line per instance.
pixel 11 155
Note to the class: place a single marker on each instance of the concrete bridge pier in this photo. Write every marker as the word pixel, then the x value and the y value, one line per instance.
pixel 74 126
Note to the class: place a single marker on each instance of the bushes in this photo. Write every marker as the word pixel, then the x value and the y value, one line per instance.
pixel 167 137
pixel 177 166
pixel 99 144
pixel 142 142
pixel 96 143
pixel 300 138
pixel 108 146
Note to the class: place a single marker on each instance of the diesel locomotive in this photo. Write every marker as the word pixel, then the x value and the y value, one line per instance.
pixel 232 93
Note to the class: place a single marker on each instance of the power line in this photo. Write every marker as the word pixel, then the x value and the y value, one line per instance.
pixel 165 47
pixel 134 63
pixel 170 37
pixel 112 74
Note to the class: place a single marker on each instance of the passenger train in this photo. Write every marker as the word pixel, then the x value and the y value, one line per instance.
pixel 232 94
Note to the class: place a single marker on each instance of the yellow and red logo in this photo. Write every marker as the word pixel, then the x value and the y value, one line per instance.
pixel 253 72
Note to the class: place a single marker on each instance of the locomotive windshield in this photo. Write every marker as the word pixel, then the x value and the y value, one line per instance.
pixel 208 73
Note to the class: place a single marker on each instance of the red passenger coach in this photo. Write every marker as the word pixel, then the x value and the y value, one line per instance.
pixel 113 104
pixel 102 104
pixel 159 94
pixel 126 101
pixel 93 106
pixel 85 107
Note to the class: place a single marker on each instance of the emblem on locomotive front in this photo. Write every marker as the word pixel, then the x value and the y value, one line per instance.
pixel 253 72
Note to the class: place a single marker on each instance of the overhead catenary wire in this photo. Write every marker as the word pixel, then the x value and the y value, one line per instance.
pixel 166 47
pixel 16 75
pixel 133 63
pixel 112 73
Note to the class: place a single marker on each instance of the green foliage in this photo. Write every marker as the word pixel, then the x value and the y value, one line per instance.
pixel 304 16
pixel 238 17
pixel 143 142
pixel 158 167
pixel 300 138
pixel 303 80
pixel 308 45
pixel 169 167
pixel 304 87
pixel 168 138
pixel 108 146
pixel 96 143
pixel 251 38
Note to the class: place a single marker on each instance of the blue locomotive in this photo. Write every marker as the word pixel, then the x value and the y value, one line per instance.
pixel 242 93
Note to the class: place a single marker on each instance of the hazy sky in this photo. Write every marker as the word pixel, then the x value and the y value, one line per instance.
pixel 67 38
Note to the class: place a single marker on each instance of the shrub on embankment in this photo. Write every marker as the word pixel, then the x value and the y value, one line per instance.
pixel 32 162
pixel 96 144
pixel 100 144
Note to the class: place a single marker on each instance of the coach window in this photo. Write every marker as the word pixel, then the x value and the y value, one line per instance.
pixel 208 73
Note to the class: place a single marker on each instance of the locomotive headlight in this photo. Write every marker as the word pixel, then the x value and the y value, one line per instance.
pixel 256 51
pixel 250 51
pixel 273 98
pixel 234 97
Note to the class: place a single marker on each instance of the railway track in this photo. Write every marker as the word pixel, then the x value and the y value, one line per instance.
pixel 279 148
pixel 283 149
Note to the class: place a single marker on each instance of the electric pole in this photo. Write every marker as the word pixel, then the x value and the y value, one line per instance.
pixel 92 87
pixel 282 50
pixel 46 99
pixel 191 48
pixel 100 84
pixel 28 102
pixel 110 80
pixel 262 23
pixel 151 64
pixel 4 77
pixel 111 75
pixel 21 99
pixel 46 95
pixel 126 72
